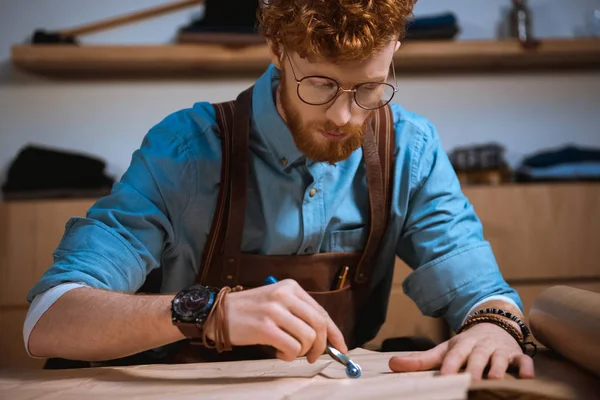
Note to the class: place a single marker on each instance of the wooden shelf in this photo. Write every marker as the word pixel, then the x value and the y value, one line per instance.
pixel 196 60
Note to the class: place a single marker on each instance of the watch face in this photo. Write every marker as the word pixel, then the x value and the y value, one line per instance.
pixel 190 304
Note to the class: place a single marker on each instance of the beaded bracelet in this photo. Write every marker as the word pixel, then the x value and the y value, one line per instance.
pixel 526 332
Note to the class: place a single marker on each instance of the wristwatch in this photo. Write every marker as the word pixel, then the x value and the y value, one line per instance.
pixel 190 309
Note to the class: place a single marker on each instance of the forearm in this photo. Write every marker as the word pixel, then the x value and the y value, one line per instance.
pixel 93 325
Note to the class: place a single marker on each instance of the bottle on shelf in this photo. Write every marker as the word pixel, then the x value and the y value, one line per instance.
pixel 520 23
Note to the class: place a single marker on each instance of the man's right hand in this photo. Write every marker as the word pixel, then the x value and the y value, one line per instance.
pixel 284 316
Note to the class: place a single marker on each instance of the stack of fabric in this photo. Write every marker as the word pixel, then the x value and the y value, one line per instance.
pixel 228 22
pixel 38 172
pixel 434 27
pixel 569 163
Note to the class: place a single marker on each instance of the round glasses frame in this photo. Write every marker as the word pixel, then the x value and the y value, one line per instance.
pixel 340 89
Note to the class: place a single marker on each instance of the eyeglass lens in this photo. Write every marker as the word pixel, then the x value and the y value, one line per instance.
pixel 321 90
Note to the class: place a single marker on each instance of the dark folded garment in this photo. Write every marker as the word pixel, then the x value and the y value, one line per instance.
pixel 39 172
pixel 564 155
pixel 446 33
pixel 577 171
pixel 432 22
pixel 441 26
pixel 225 16
pixel 228 22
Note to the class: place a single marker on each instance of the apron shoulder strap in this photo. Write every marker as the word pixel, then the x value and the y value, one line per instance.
pixel 378 151
pixel 385 136
pixel 380 179
pixel 225 113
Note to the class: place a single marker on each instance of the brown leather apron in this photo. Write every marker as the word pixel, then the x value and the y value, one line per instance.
pixel 224 264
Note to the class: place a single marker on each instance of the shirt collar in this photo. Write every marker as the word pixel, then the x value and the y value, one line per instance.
pixel 269 124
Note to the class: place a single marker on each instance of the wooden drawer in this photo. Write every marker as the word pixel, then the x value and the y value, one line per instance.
pixel 541 231
pixel 29 234
pixel 12 348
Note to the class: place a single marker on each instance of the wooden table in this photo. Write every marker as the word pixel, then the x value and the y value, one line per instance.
pixel 274 379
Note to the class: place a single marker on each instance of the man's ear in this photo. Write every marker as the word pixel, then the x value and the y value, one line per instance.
pixel 397 47
pixel 275 53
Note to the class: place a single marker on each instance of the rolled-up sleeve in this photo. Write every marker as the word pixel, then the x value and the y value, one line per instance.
pixel 442 240
pixel 124 234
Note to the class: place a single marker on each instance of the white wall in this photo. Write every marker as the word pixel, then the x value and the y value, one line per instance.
pixel 525 113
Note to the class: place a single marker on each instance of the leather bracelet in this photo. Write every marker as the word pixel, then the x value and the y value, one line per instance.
pixel 218 318
pixel 472 321
pixel 526 332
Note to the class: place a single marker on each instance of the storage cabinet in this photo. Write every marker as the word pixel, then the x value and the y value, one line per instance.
pixel 542 235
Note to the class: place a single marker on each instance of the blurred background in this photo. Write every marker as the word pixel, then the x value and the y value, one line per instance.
pixel 524 112
pixel 516 104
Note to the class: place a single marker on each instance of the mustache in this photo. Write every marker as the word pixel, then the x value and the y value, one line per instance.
pixel 350 129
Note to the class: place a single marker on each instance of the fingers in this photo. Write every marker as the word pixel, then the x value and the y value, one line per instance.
pixel 499 365
pixel 304 308
pixel 302 317
pixel 421 361
pixel 293 326
pixel 287 347
pixel 456 357
pixel 526 366
pixel 334 335
pixel 501 360
pixel 316 321
pixel 478 360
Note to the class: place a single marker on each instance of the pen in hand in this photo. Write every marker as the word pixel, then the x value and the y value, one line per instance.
pixel 353 370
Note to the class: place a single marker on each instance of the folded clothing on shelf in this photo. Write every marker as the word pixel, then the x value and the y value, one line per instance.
pixel 220 25
pixel 230 22
pixel 38 172
pixel 568 163
pixel 434 27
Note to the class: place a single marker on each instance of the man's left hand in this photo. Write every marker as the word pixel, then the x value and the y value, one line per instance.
pixel 482 345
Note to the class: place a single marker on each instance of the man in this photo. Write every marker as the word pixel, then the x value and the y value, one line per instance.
pixel 307 173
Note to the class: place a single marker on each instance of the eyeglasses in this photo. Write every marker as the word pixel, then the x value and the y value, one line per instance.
pixel 318 90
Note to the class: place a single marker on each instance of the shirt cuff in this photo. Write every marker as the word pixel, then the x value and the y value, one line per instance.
pixel 40 304
pixel 489 298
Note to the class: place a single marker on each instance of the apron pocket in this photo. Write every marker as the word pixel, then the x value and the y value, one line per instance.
pixel 339 304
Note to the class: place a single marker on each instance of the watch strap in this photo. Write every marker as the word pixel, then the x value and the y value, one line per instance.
pixel 189 330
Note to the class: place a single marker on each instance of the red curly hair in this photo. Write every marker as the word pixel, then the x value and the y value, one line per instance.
pixel 336 30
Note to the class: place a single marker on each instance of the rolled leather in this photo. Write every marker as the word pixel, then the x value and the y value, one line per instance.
pixel 567 321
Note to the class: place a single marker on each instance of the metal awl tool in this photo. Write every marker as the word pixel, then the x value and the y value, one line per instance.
pixel 353 370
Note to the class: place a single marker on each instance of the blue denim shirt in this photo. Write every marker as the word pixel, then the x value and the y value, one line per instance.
pixel 159 214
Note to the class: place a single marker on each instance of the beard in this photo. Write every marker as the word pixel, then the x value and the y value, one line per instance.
pixel 314 145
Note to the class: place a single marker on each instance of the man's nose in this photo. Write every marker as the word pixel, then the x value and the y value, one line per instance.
pixel 340 111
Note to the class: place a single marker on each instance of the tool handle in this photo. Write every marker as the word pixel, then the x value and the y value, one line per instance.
pixel 129 18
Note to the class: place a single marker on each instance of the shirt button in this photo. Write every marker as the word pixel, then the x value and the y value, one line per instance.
pixel 308 249
pixel 284 161
pixel 312 192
